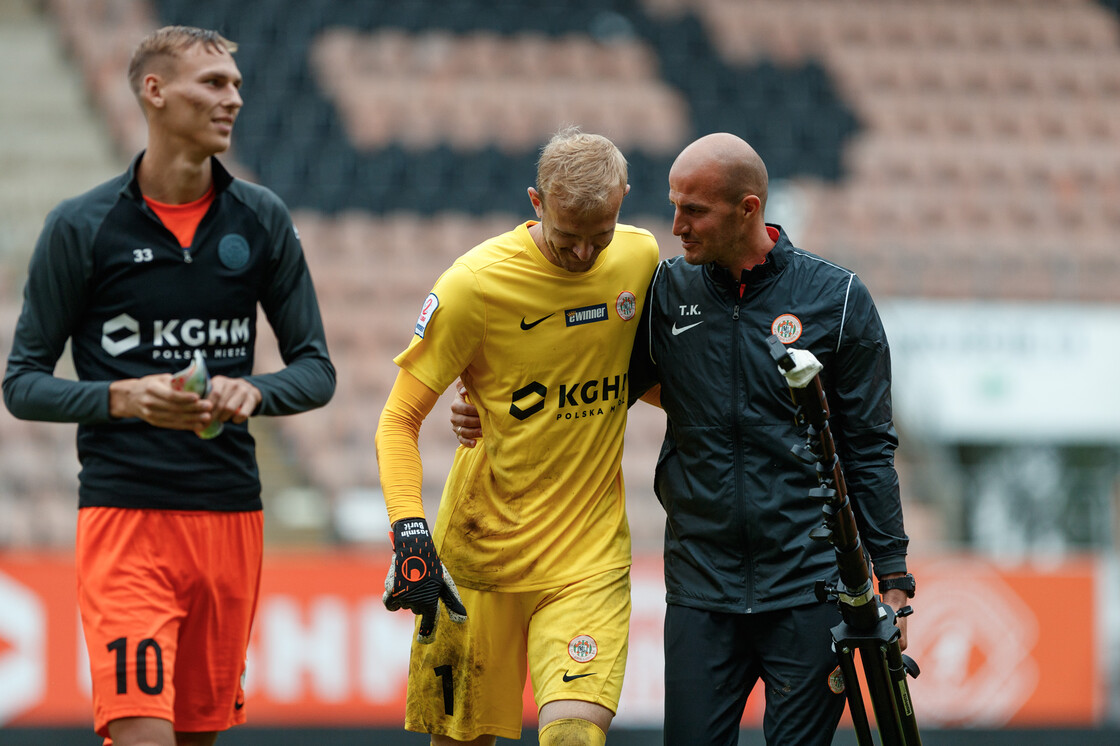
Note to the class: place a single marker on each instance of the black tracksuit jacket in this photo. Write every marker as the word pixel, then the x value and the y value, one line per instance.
pixel 109 276
pixel 737 512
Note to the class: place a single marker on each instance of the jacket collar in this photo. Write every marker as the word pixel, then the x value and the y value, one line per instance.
pixel 131 189
pixel 776 261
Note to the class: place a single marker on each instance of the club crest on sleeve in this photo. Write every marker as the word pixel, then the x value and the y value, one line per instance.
pixel 583 648
pixel 431 303
pixel 787 328
pixel 626 305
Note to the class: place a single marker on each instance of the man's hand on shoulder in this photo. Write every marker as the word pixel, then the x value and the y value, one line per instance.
pixel 465 422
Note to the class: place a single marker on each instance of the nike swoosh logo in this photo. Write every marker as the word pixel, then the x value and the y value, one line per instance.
pixel 678 330
pixel 571 677
pixel 527 327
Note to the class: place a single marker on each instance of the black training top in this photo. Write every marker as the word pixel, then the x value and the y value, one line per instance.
pixel 109 276
pixel 738 515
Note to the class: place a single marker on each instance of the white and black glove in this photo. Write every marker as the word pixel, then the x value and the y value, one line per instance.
pixel 418 581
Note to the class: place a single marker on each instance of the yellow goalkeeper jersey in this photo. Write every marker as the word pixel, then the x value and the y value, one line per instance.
pixel 543 353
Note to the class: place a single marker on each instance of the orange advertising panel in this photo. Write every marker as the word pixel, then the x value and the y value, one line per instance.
pixel 1014 646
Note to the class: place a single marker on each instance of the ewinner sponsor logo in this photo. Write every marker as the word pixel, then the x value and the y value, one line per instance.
pixel 585 315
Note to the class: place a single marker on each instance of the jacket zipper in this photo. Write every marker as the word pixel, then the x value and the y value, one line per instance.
pixel 736 409
pixel 187 258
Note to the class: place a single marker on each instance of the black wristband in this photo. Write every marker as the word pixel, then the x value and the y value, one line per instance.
pixel 906 583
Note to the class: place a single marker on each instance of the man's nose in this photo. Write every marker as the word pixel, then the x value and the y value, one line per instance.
pixel 678 223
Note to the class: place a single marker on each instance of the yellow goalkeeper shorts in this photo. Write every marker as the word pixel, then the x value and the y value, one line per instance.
pixel 469 681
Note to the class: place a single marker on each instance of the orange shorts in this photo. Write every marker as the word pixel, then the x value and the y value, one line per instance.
pixel 157 586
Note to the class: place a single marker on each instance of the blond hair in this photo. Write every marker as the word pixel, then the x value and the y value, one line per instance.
pixel 166 44
pixel 580 171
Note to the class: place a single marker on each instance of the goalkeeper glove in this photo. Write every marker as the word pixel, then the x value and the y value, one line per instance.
pixel 417 580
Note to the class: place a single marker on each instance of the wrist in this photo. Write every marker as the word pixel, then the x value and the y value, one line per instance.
pixel 118 398
pixel 409 527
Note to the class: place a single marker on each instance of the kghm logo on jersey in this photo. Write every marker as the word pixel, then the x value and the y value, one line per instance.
pixel 575 400
pixel 787 328
pixel 585 315
pixel 528 400
pixel 177 339
pixel 626 305
pixel 583 648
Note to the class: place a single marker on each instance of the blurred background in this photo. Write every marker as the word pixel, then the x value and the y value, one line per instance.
pixel 962 156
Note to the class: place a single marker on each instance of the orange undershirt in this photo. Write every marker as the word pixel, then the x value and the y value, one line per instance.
pixel 182 220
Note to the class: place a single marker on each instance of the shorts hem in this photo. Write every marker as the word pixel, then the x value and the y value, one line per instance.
pixel 208 728
pixel 579 697
pixel 484 730
pixel 103 730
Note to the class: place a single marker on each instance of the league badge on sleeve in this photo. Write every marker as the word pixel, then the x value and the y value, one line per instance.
pixel 431 303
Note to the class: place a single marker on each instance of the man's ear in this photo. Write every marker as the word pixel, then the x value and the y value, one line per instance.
pixel 535 198
pixel 151 90
pixel 751 204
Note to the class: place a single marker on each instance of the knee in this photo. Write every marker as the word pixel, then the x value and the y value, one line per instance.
pixel 572 732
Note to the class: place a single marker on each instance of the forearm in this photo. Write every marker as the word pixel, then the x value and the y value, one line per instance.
pixel 307 383
pixel 34 395
pixel 398 452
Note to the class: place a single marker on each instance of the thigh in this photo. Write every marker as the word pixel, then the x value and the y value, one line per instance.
pixel 156 587
pixel 578 642
pixel 795 646
pixel 131 613
pixel 468 681
pixel 710 669
pixel 226 550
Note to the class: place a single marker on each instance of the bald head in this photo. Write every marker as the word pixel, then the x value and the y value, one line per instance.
pixel 717 187
pixel 729 160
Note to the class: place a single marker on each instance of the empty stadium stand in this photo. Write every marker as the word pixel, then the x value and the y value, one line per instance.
pixel 943 149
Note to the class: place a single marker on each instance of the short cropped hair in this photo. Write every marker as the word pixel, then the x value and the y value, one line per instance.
pixel 168 43
pixel 580 171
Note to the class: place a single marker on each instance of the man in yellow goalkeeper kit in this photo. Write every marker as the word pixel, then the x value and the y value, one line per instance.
pixel 539 323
